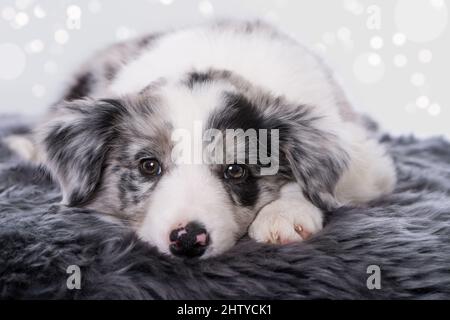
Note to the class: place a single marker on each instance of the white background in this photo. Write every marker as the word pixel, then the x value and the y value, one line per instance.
pixel 392 55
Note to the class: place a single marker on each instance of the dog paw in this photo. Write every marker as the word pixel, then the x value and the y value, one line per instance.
pixel 23 146
pixel 282 222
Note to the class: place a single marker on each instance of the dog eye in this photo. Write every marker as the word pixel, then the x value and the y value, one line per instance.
pixel 150 167
pixel 235 171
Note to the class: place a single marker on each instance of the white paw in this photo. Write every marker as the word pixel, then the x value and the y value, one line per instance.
pixel 285 221
pixel 23 146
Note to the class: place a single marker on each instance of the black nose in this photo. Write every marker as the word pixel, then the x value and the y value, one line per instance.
pixel 190 241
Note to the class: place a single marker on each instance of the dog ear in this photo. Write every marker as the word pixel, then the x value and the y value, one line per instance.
pixel 315 157
pixel 75 142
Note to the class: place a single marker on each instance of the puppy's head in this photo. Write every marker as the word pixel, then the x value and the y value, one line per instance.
pixel 140 159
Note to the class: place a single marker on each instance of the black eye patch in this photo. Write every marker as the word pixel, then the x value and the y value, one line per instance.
pixel 245 192
pixel 242 192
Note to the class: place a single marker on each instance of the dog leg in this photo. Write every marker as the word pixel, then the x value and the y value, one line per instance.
pixel 287 219
pixel 24 146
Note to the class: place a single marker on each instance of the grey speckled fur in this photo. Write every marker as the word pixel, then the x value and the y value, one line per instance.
pixel 407 234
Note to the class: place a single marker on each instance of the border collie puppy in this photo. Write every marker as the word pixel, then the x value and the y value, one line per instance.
pixel 119 140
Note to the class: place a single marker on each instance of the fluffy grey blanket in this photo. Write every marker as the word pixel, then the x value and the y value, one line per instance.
pixel 407 235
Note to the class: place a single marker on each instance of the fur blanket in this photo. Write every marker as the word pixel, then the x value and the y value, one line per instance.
pixel 407 235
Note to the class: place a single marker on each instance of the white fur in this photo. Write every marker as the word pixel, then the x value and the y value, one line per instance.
pixel 276 64
pixel 371 171
pixel 23 146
